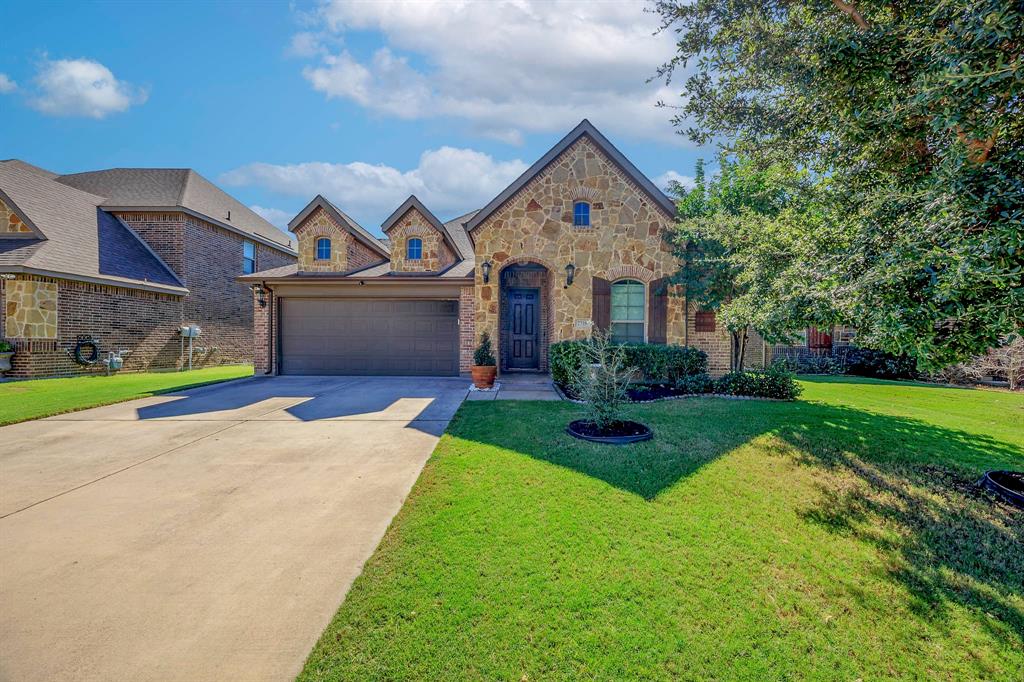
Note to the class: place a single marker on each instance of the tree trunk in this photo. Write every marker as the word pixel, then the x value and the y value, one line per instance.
pixel 739 348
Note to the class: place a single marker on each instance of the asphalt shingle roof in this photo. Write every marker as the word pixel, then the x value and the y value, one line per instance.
pixel 170 188
pixel 78 238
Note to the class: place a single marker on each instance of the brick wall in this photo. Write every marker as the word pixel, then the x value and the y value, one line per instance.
pixel 264 331
pixel 165 234
pixel 361 256
pixel 143 323
pixel 467 327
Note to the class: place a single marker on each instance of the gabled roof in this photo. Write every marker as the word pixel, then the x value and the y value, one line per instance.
pixel 340 217
pixel 413 203
pixel 176 189
pixel 585 128
pixel 81 242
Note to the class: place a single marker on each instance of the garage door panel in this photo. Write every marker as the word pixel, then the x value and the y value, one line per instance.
pixel 358 336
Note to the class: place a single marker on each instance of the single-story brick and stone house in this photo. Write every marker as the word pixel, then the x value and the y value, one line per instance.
pixel 573 244
pixel 126 257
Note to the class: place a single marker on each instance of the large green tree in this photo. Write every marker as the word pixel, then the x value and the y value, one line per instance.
pixel 914 113
pixel 738 238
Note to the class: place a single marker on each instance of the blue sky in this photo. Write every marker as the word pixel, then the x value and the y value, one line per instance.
pixel 363 102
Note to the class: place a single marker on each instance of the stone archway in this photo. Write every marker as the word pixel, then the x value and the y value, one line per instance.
pixel 525 320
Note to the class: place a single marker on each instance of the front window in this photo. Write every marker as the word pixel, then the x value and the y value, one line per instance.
pixel 248 257
pixel 581 214
pixel 414 249
pixel 628 308
pixel 323 249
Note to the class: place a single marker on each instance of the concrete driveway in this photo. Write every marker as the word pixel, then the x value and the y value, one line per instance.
pixel 205 535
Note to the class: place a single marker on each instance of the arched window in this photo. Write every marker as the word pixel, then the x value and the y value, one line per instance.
pixel 323 249
pixel 581 214
pixel 414 249
pixel 628 311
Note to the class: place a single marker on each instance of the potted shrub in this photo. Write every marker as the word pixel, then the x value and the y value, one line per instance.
pixel 600 382
pixel 6 352
pixel 485 367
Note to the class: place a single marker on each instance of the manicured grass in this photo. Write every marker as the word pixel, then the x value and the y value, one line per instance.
pixel 23 400
pixel 837 537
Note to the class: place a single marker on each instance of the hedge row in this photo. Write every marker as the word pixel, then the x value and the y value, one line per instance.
pixel 655 361
pixel 775 382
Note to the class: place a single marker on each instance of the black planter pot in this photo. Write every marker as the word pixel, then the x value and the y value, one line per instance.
pixel 1009 485
pixel 622 433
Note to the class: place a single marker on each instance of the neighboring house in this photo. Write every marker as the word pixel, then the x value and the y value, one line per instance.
pixel 126 257
pixel 574 243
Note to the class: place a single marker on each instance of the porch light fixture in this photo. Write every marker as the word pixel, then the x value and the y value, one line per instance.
pixel 570 274
pixel 261 295
pixel 485 268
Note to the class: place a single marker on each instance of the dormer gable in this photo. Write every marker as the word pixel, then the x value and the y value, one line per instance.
pixel 419 241
pixel 330 241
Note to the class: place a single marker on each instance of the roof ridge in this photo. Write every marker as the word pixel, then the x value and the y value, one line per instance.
pixel 184 186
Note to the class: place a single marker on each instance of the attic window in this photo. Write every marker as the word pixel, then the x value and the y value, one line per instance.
pixel 323 249
pixel 414 249
pixel 581 214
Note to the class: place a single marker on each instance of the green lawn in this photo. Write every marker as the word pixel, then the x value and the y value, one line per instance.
pixel 837 537
pixel 23 400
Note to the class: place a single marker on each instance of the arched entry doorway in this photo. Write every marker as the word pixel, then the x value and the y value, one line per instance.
pixel 525 327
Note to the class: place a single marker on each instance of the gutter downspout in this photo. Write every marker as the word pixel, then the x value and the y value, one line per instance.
pixel 271 304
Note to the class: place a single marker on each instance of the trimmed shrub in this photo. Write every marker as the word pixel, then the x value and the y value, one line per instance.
pixel 696 383
pixel 866 362
pixel 653 361
pixel 483 356
pixel 775 382
pixel 815 364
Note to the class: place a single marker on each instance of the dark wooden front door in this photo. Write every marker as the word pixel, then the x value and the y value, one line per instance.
pixel 523 332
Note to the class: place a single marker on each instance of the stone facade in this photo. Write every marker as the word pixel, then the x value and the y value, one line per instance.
pixel 436 253
pixel 10 223
pixel 347 252
pixel 30 309
pixel 624 240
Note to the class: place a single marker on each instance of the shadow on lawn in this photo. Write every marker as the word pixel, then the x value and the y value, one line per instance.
pixel 902 485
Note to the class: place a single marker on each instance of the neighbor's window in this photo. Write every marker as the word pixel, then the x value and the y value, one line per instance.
pixel 628 312
pixel 414 249
pixel 248 257
pixel 323 249
pixel 705 321
pixel 581 214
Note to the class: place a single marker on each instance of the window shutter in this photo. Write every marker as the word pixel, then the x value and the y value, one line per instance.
pixel 657 311
pixel 602 298
pixel 705 321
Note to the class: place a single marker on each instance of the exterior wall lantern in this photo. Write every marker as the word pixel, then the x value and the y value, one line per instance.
pixel 570 274
pixel 261 295
pixel 485 268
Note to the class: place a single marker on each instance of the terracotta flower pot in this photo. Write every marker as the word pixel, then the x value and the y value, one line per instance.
pixel 483 375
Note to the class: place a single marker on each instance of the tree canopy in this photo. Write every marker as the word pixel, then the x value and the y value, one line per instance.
pixel 912 111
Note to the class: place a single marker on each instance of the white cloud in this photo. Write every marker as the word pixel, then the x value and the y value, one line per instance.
pixel 668 177
pixel 305 44
pixel 6 84
pixel 274 216
pixel 504 67
pixel 449 181
pixel 82 87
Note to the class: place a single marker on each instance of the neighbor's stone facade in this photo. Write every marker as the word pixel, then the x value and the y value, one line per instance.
pixel 10 223
pixel 436 254
pixel 624 240
pixel 30 309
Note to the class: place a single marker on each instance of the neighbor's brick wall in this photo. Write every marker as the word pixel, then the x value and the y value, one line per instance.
pixel 436 254
pixel 467 327
pixel 143 323
pixel 208 259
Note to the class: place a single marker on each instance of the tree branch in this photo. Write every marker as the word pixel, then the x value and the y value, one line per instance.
pixel 850 9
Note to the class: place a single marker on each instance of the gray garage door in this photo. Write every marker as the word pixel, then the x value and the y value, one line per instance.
pixel 357 336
